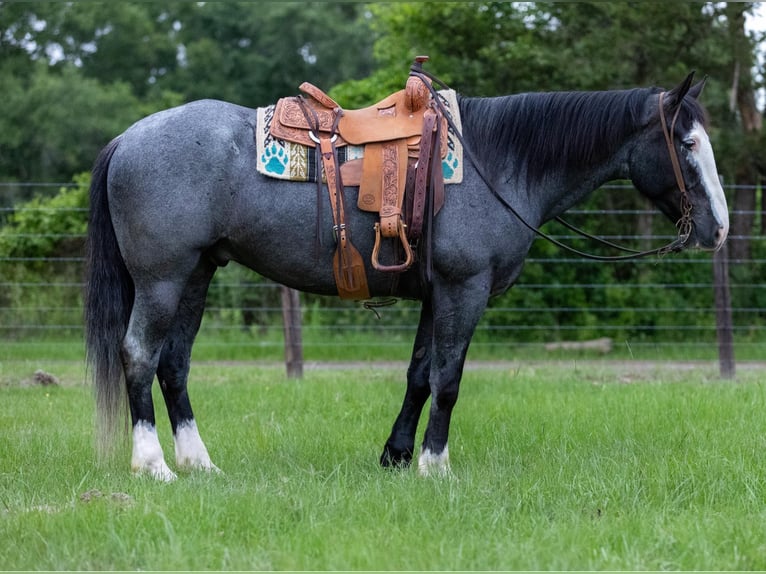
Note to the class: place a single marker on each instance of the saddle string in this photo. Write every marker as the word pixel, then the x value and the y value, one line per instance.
pixel 684 223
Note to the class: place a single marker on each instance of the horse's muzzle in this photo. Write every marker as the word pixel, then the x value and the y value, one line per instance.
pixel 712 241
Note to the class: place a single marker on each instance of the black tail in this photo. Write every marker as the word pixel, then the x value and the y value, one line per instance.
pixel 109 295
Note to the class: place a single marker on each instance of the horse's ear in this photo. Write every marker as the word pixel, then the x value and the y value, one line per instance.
pixel 696 89
pixel 677 94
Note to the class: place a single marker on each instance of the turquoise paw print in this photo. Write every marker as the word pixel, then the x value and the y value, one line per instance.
pixel 275 159
pixel 449 165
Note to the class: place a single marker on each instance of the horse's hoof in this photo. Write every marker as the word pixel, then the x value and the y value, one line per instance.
pixel 393 458
pixel 158 471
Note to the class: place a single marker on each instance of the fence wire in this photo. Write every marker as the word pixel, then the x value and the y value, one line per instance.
pixel 244 309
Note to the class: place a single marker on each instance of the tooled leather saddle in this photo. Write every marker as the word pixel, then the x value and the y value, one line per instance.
pixel 404 138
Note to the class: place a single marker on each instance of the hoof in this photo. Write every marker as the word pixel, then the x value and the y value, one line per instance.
pixel 394 458
pixel 205 466
pixel 159 471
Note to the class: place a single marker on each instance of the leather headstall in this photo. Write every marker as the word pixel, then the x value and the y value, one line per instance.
pixel 684 224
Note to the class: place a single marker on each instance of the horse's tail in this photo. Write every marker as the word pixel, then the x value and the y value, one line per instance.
pixel 108 296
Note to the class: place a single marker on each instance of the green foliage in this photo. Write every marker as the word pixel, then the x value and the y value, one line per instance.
pixel 49 227
pixel 254 53
pixel 55 122
pixel 42 245
pixel 75 74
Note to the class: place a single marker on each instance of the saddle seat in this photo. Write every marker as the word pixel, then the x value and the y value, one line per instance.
pixel 391 131
pixel 397 116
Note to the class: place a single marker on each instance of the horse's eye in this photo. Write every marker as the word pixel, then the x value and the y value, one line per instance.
pixel 690 144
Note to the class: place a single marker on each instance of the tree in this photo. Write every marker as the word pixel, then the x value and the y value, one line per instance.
pixel 492 48
pixel 114 62
pixel 62 69
pixel 750 152
pixel 54 122
pixel 126 42
pixel 254 53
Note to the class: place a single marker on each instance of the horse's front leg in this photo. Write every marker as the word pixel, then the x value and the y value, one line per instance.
pixel 401 443
pixel 456 311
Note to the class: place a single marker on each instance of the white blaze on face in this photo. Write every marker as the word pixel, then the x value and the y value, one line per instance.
pixel 190 450
pixel 702 155
pixel 147 453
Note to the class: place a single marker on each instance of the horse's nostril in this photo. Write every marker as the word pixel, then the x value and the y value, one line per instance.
pixel 720 235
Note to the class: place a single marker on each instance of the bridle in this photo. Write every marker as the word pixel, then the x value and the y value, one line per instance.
pixel 684 224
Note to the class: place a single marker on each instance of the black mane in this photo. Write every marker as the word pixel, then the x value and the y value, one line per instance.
pixel 553 130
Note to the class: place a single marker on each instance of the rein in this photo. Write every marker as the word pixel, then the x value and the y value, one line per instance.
pixel 684 224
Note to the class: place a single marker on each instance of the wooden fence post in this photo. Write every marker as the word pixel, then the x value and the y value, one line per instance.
pixel 291 318
pixel 723 320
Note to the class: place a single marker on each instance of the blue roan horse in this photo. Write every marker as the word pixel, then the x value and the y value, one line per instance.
pixel 178 195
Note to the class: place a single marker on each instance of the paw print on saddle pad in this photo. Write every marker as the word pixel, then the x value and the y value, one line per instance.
pixel 449 165
pixel 274 159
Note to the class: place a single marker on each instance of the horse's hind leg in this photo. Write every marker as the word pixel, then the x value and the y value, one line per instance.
pixel 401 443
pixel 155 308
pixel 173 371
pixel 153 311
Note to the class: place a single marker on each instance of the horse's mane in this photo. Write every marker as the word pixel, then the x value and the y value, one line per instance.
pixel 553 130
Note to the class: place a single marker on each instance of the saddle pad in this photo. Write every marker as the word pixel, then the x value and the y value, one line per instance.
pixel 290 161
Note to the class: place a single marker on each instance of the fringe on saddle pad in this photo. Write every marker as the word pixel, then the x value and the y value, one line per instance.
pixel 285 160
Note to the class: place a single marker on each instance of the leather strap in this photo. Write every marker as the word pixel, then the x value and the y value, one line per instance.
pixel 684 224
pixel 392 177
pixel 422 172
pixel 348 265
pixel 312 119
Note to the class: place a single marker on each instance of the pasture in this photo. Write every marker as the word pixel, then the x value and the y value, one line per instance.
pixel 570 465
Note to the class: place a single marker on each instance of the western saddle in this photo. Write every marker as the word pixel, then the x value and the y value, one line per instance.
pixel 404 137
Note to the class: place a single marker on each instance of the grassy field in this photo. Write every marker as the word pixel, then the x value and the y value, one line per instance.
pixel 570 465
pixel 380 344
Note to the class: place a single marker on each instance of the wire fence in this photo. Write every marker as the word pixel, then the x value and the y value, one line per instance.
pixel 654 308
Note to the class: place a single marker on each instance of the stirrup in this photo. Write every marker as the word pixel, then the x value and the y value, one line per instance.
pixel 407 250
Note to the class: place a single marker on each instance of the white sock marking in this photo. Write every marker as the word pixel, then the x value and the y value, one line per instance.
pixel 430 463
pixel 190 450
pixel 147 453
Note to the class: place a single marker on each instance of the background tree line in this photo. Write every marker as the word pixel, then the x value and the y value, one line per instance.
pixel 76 74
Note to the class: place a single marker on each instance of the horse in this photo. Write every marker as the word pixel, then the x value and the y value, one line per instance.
pixel 177 195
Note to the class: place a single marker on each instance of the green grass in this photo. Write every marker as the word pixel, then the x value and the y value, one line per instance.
pixel 366 345
pixel 583 466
